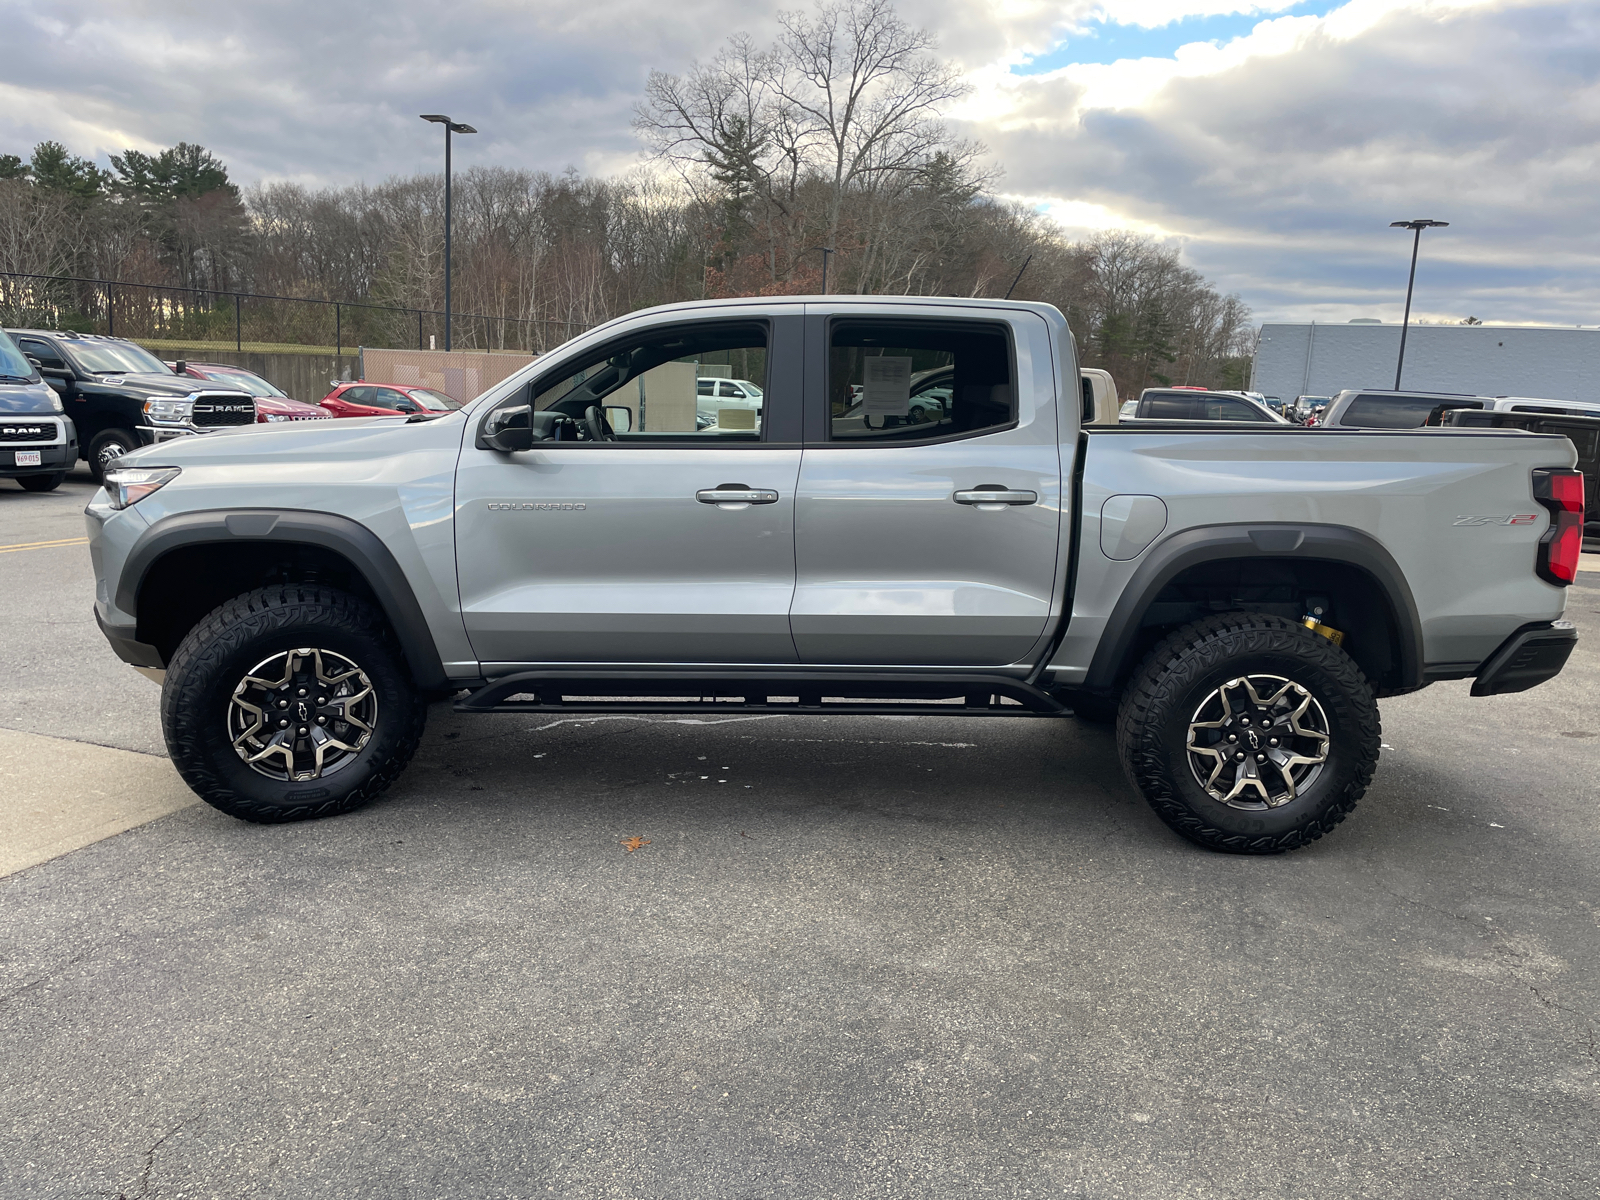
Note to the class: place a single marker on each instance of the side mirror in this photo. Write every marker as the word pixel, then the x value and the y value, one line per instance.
pixel 619 418
pixel 180 367
pixel 405 406
pixel 509 430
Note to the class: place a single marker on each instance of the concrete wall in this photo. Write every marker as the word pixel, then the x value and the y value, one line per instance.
pixel 304 377
pixel 1484 360
pixel 463 374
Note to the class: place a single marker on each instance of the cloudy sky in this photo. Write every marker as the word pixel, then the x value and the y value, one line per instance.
pixel 1273 141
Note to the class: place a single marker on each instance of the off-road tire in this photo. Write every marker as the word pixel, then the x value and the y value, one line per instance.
pixel 1186 667
pixel 42 483
pixel 96 454
pixel 219 651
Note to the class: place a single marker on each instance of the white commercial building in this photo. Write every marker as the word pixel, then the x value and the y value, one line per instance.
pixel 1481 360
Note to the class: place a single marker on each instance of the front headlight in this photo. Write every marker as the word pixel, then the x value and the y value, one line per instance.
pixel 55 400
pixel 126 486
pixel 277 416
pixel 168 412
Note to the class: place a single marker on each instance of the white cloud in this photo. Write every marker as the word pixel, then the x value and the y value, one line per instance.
pixel 1275 160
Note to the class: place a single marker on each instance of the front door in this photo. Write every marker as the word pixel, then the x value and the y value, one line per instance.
pixel 930 500
pixel 657 541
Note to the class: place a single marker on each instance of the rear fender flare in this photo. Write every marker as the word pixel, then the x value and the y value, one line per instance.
pixel 1264 540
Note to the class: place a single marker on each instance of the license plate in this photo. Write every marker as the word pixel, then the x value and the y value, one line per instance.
pixel 28 458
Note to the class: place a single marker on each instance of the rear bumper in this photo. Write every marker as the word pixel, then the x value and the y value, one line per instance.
pixel 1527 658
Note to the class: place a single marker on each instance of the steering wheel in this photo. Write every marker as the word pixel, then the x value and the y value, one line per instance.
pixel 596 426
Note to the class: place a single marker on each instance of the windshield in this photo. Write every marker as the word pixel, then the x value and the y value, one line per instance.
pixel 247 380
pixel 114 358
pixel 13 362
pixel 434 401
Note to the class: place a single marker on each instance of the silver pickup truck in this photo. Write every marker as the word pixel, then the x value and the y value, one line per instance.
pixel 917 520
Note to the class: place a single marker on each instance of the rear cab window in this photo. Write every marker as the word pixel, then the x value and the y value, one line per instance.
pixel 896 381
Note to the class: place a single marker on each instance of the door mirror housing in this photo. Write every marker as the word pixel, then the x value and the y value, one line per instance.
pixel 619 418
pixel 509 430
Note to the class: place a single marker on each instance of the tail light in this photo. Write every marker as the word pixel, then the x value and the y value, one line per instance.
pixel 1560 489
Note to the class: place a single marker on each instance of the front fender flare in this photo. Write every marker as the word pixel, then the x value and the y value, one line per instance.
pixel 357 544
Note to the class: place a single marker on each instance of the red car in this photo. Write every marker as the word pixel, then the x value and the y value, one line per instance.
pixel 271 404
pixel 362 399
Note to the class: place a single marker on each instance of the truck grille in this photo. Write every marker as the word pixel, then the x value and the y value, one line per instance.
pixel 214 412
pixel 22 432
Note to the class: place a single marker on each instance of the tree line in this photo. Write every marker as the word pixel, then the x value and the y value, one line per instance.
pixel 769 164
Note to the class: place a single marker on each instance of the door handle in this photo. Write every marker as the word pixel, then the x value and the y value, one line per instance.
pixel 993 494
pixel 736 493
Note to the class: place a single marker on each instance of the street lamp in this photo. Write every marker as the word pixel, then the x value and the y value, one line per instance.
pixel 449 128
pixel 1416 243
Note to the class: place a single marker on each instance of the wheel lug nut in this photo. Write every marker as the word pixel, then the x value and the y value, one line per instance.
pixel 1238 757
pixel 304 731
pixel 302 691
pixel 1233 737
pixel 1272 741
pixel 1261 758
pixel 322 720
pixel 283 724
pixel 283 704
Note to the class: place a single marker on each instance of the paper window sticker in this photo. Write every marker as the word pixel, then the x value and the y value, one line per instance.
pixel 736 418
pixel 886 386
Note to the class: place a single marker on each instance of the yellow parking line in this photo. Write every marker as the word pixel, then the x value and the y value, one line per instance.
pixel 83 541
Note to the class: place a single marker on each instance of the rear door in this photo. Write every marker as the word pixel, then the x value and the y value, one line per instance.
pixel 670 544
pixel 932 537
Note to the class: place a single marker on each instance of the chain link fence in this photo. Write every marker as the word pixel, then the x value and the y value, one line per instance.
pixel 158 313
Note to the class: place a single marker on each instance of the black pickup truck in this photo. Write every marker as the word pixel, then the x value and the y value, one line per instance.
pixel 121 397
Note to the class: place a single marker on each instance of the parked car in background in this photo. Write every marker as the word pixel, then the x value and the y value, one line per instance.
pixel 38 444
pixel 1534 404
pixel 121 397
pixel 714 395
pixel 1373 408
pixel 363 399
pixel 1181 403
pixel 271 404
pixel 1099 396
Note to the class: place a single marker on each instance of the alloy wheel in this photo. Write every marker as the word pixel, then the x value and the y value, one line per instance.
pixel 1258 741
pixel 302 714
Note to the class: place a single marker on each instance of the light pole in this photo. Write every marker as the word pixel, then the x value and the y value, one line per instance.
pixel 449 128
pixel 1418 226
pixel 826 250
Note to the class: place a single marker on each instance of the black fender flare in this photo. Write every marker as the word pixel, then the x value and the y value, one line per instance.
pixel 1265 540
pixel 354 542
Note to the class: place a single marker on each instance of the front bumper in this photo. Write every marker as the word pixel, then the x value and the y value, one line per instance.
pixel 51 459
pixel 1527 658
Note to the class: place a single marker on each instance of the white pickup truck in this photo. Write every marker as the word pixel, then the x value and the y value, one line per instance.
pixel 1236 596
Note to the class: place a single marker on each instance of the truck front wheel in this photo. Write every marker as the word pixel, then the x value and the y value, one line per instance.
pixel 290 702
pixel 1248 733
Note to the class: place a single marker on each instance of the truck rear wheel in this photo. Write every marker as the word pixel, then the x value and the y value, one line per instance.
pixel 290 702
pixel 1248 733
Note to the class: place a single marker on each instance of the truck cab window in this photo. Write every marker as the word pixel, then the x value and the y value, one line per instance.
pixel 917 380
pixel 672 384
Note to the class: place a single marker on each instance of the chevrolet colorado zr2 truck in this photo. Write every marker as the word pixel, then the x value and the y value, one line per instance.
pixel 1237 597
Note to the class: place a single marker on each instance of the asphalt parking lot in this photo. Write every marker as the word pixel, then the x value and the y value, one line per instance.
pixel 852 957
